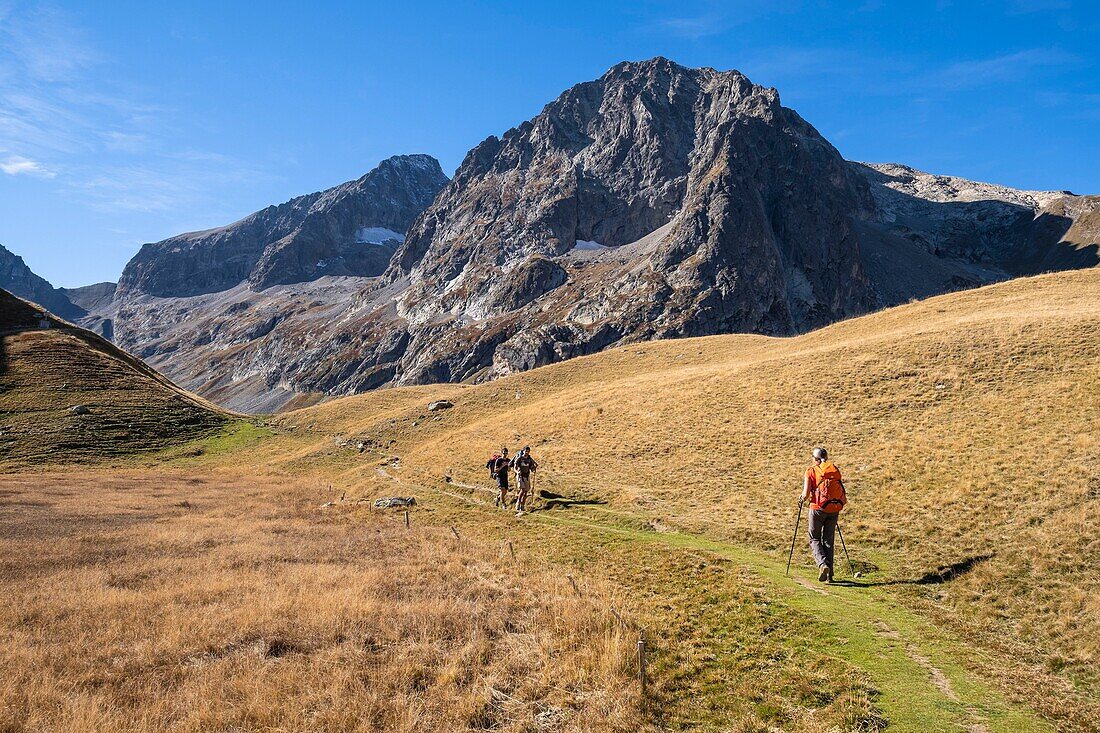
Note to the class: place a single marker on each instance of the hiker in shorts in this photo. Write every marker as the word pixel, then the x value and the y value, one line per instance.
pixel 523 464
pixel 498 468
pixel 824 489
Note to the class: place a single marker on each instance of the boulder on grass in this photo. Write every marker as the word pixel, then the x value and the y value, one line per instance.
pixel 440 405
pixel 394 502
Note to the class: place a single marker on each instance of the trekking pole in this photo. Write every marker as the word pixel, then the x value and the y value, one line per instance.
pixel 794 537
pixel 850 568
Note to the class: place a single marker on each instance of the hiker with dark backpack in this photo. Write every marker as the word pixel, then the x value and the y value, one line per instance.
pixel 523 464
pixel 498 467
pixel 823 487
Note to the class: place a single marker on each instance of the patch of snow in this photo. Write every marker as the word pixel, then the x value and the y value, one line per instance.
pixel 585 245
pixel 377 235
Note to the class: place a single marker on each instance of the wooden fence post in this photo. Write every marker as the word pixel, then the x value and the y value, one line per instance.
pixel 574 584
pixel 620 619
pixel 406 518
pixel 641 665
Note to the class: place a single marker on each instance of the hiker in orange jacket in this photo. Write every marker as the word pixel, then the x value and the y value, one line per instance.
pixel 823 487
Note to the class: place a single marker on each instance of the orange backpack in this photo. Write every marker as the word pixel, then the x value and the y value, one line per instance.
pixel 828 494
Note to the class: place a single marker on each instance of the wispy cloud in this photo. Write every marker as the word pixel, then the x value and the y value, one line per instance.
pixel 1023 7
pixel 176 182
pixel 45 43
pixel 715 18
pixel 693 27
pixel 44 66
pixel 16 165
pixel 62 117
pixel 981 72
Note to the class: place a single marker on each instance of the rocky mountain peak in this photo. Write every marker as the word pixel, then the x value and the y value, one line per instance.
pixel 351 229
pixel 612 161
pixel 17 278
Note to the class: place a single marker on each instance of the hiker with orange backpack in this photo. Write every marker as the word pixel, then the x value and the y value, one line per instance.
pixel 823 487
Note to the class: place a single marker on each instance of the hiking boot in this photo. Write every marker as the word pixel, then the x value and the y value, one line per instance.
pixel 825 575
pixel 830 573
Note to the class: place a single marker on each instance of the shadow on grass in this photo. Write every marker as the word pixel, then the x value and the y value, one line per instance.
pixel 940 575
pixel 557 501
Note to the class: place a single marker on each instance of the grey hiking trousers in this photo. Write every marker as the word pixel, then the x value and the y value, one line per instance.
pixel 822 536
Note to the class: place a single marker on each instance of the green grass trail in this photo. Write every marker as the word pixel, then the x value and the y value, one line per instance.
pixel 912 663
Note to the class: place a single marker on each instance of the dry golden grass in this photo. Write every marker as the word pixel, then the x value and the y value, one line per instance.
pixel 155 602
pixel 968 427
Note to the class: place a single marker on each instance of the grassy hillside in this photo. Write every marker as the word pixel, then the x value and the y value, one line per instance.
pixel 49 366
pixel 968 426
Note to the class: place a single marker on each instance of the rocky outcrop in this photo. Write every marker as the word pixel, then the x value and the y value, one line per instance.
pixel 91 297
pixel 749 216
pixel 351 229
pixel 655 202
pixel 933 233
pixel 1065 235
pixel 17 278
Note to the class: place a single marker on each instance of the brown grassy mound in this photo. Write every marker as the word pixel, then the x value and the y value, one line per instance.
pixel 49 366
pixel 968 427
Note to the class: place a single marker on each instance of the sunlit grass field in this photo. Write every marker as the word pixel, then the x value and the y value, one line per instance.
pixel 208 588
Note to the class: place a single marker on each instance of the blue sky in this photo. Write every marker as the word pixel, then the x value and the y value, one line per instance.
pixel 126 122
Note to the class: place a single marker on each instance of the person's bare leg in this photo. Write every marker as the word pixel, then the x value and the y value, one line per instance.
pixel 521 500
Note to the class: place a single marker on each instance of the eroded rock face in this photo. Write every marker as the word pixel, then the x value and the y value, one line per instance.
pixel 755 211
pixel 932 233
pixel 351 229
pixel 654 202
pixel 17 278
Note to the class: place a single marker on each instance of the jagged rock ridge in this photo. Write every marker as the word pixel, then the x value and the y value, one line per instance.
pixel 17 278
pixel 351 229
pixel 657 201
pixel 934 233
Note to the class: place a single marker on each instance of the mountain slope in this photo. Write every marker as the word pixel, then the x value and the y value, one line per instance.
pixel 347 230
pixel 17 278
pixel 655 202
pixel 749 214
pixel 49 367
pixel 933 233
pixel 967 427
